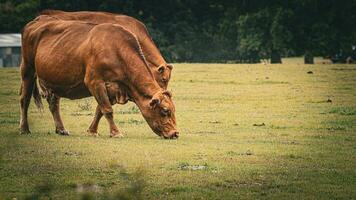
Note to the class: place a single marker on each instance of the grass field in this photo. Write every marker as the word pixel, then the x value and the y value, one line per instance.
pixel 247 132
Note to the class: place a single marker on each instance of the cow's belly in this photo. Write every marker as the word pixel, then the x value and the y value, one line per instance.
pixel 61 71
pixel 71 92
pixel 58 69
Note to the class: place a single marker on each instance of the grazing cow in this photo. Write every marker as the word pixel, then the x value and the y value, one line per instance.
pixel 75 60
pixel 159 67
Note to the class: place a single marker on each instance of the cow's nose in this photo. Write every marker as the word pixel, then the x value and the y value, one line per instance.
pixel 175 135
pixel 171 135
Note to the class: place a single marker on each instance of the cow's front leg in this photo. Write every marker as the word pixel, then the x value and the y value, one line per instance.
pixel 93 128
pixel 98 90
pixel 53 103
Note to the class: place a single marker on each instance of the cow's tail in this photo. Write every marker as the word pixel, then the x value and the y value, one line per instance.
pixel 36 95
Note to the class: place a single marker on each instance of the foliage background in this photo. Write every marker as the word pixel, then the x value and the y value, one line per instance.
pixel 219 31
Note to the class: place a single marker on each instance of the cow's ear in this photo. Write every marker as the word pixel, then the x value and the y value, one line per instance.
pixel 168 93
pixel 170 66
pixel 154 102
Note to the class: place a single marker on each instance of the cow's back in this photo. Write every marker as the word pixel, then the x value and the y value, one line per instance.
pixel 132 24
pixel 135 26
pixel 68 53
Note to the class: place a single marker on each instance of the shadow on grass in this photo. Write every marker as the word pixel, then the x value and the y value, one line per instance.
pixel 134 182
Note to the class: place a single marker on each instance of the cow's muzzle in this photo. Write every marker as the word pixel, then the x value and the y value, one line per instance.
pixel 172 135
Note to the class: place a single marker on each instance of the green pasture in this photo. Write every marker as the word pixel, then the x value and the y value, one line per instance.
pixel 247 131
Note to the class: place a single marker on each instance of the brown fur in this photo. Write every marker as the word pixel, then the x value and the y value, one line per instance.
pixel 158 66
pixel 151 52
pixel 76 59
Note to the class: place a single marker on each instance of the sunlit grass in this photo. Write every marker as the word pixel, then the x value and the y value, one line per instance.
pixel 247 131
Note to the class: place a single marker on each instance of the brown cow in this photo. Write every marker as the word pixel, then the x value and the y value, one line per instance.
pixel 75 60
pixel 160 69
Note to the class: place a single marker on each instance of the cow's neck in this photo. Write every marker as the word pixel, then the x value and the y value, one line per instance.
pixel 143 86
pixel 143 93
pixel 152 53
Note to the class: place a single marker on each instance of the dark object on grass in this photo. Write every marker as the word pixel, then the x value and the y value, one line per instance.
pixel 263 124
pixel 308 58
pixel 249 153
pixel 329 101
pixel 275 57
pixel 310 72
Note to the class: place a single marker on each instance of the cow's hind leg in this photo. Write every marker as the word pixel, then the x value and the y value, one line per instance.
pixel 98 90
pixel 93 128
pixel 53 103
pixel 26 91
pixel 27 83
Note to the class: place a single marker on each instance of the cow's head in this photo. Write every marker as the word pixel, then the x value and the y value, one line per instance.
pixel 160 115
pixel 163 74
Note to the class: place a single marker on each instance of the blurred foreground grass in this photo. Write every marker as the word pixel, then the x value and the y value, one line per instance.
pixel 247 131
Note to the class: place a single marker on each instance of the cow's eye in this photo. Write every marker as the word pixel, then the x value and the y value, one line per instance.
pixel 165 112
pixel 161 69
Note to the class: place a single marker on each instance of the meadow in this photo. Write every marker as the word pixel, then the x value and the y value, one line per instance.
pixel 247 131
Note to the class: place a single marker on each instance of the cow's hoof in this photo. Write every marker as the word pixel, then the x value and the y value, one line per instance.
pixel 62 132
pixel 92 133
pixel 116 134
pixel 24 132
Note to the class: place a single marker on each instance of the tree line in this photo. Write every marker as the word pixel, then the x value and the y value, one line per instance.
pixel 246 31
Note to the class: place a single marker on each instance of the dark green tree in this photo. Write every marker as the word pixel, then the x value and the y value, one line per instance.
pixel 220 31
pixel 252 31
pixel 280 36
pixel 264 35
